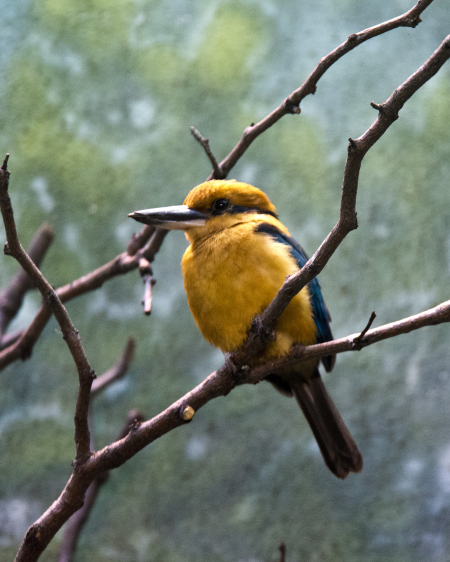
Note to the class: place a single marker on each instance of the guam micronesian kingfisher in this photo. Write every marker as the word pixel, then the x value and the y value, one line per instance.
pixel 238 257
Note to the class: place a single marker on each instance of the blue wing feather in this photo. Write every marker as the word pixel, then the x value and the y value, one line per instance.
pixel 321 315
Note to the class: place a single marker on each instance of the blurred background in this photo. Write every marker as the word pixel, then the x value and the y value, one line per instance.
pixel 96 101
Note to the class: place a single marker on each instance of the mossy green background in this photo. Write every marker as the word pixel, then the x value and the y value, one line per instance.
pixel 96 101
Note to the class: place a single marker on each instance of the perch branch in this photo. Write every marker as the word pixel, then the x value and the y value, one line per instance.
pixel 218 383
pixel 438 315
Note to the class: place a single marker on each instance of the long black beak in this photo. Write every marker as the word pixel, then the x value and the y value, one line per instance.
pixel 178 217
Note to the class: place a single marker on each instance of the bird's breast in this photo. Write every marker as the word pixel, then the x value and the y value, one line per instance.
pixel 231 277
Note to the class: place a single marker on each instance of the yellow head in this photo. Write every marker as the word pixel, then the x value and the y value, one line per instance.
pixel 225 203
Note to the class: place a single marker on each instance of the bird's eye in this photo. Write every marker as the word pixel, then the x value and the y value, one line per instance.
pixel 220 206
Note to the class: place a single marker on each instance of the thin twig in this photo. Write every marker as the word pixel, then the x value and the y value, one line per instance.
pixel 139 239
pixel 5 164
pixel 358 340
pixel 282 549
pixel 217 171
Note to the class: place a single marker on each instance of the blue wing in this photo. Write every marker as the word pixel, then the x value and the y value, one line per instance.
pixel 321 315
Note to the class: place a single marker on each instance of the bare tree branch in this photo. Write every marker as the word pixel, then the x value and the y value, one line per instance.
pixel 139 239
pixel 22 347
pixel 218 383
pixel 78 520
pixel 292 103
pixel 76 523
pixel 116 372
pixel 218 174
pixel 145 269
pixel 9 339
pixel 12 297
pixel 438 315
pixel 70 334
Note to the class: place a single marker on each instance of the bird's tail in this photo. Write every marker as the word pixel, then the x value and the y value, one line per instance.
pixel 337 446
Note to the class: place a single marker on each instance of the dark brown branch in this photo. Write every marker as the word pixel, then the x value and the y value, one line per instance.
pixel 9 339
pixel 5 163
pixel 292 103
pixel 70 334
pixel 76 523
pixel 139 239
pixel 282 549
pixel 217 171
pixel 78 520
pixel 438 315
pixel 116 372
pixel 12 297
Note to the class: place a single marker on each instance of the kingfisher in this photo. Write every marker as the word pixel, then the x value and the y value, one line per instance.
pixel 238 257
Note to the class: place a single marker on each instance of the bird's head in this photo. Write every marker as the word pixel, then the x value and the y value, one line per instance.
pixel 210 207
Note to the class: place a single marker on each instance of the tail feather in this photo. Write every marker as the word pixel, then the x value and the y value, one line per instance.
pixel 337 446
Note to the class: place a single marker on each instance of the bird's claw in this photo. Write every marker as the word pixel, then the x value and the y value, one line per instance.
pixel 261 331
pixel 238 373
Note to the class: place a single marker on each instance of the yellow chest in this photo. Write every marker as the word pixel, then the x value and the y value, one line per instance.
pixel 232 276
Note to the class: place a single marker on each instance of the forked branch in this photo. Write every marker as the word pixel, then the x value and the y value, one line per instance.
pixel 291 104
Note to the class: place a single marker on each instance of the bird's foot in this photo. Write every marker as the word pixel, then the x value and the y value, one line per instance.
pixel 237 372
pixel 259 330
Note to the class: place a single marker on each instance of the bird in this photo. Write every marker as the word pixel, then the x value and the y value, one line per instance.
pixel 238 257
